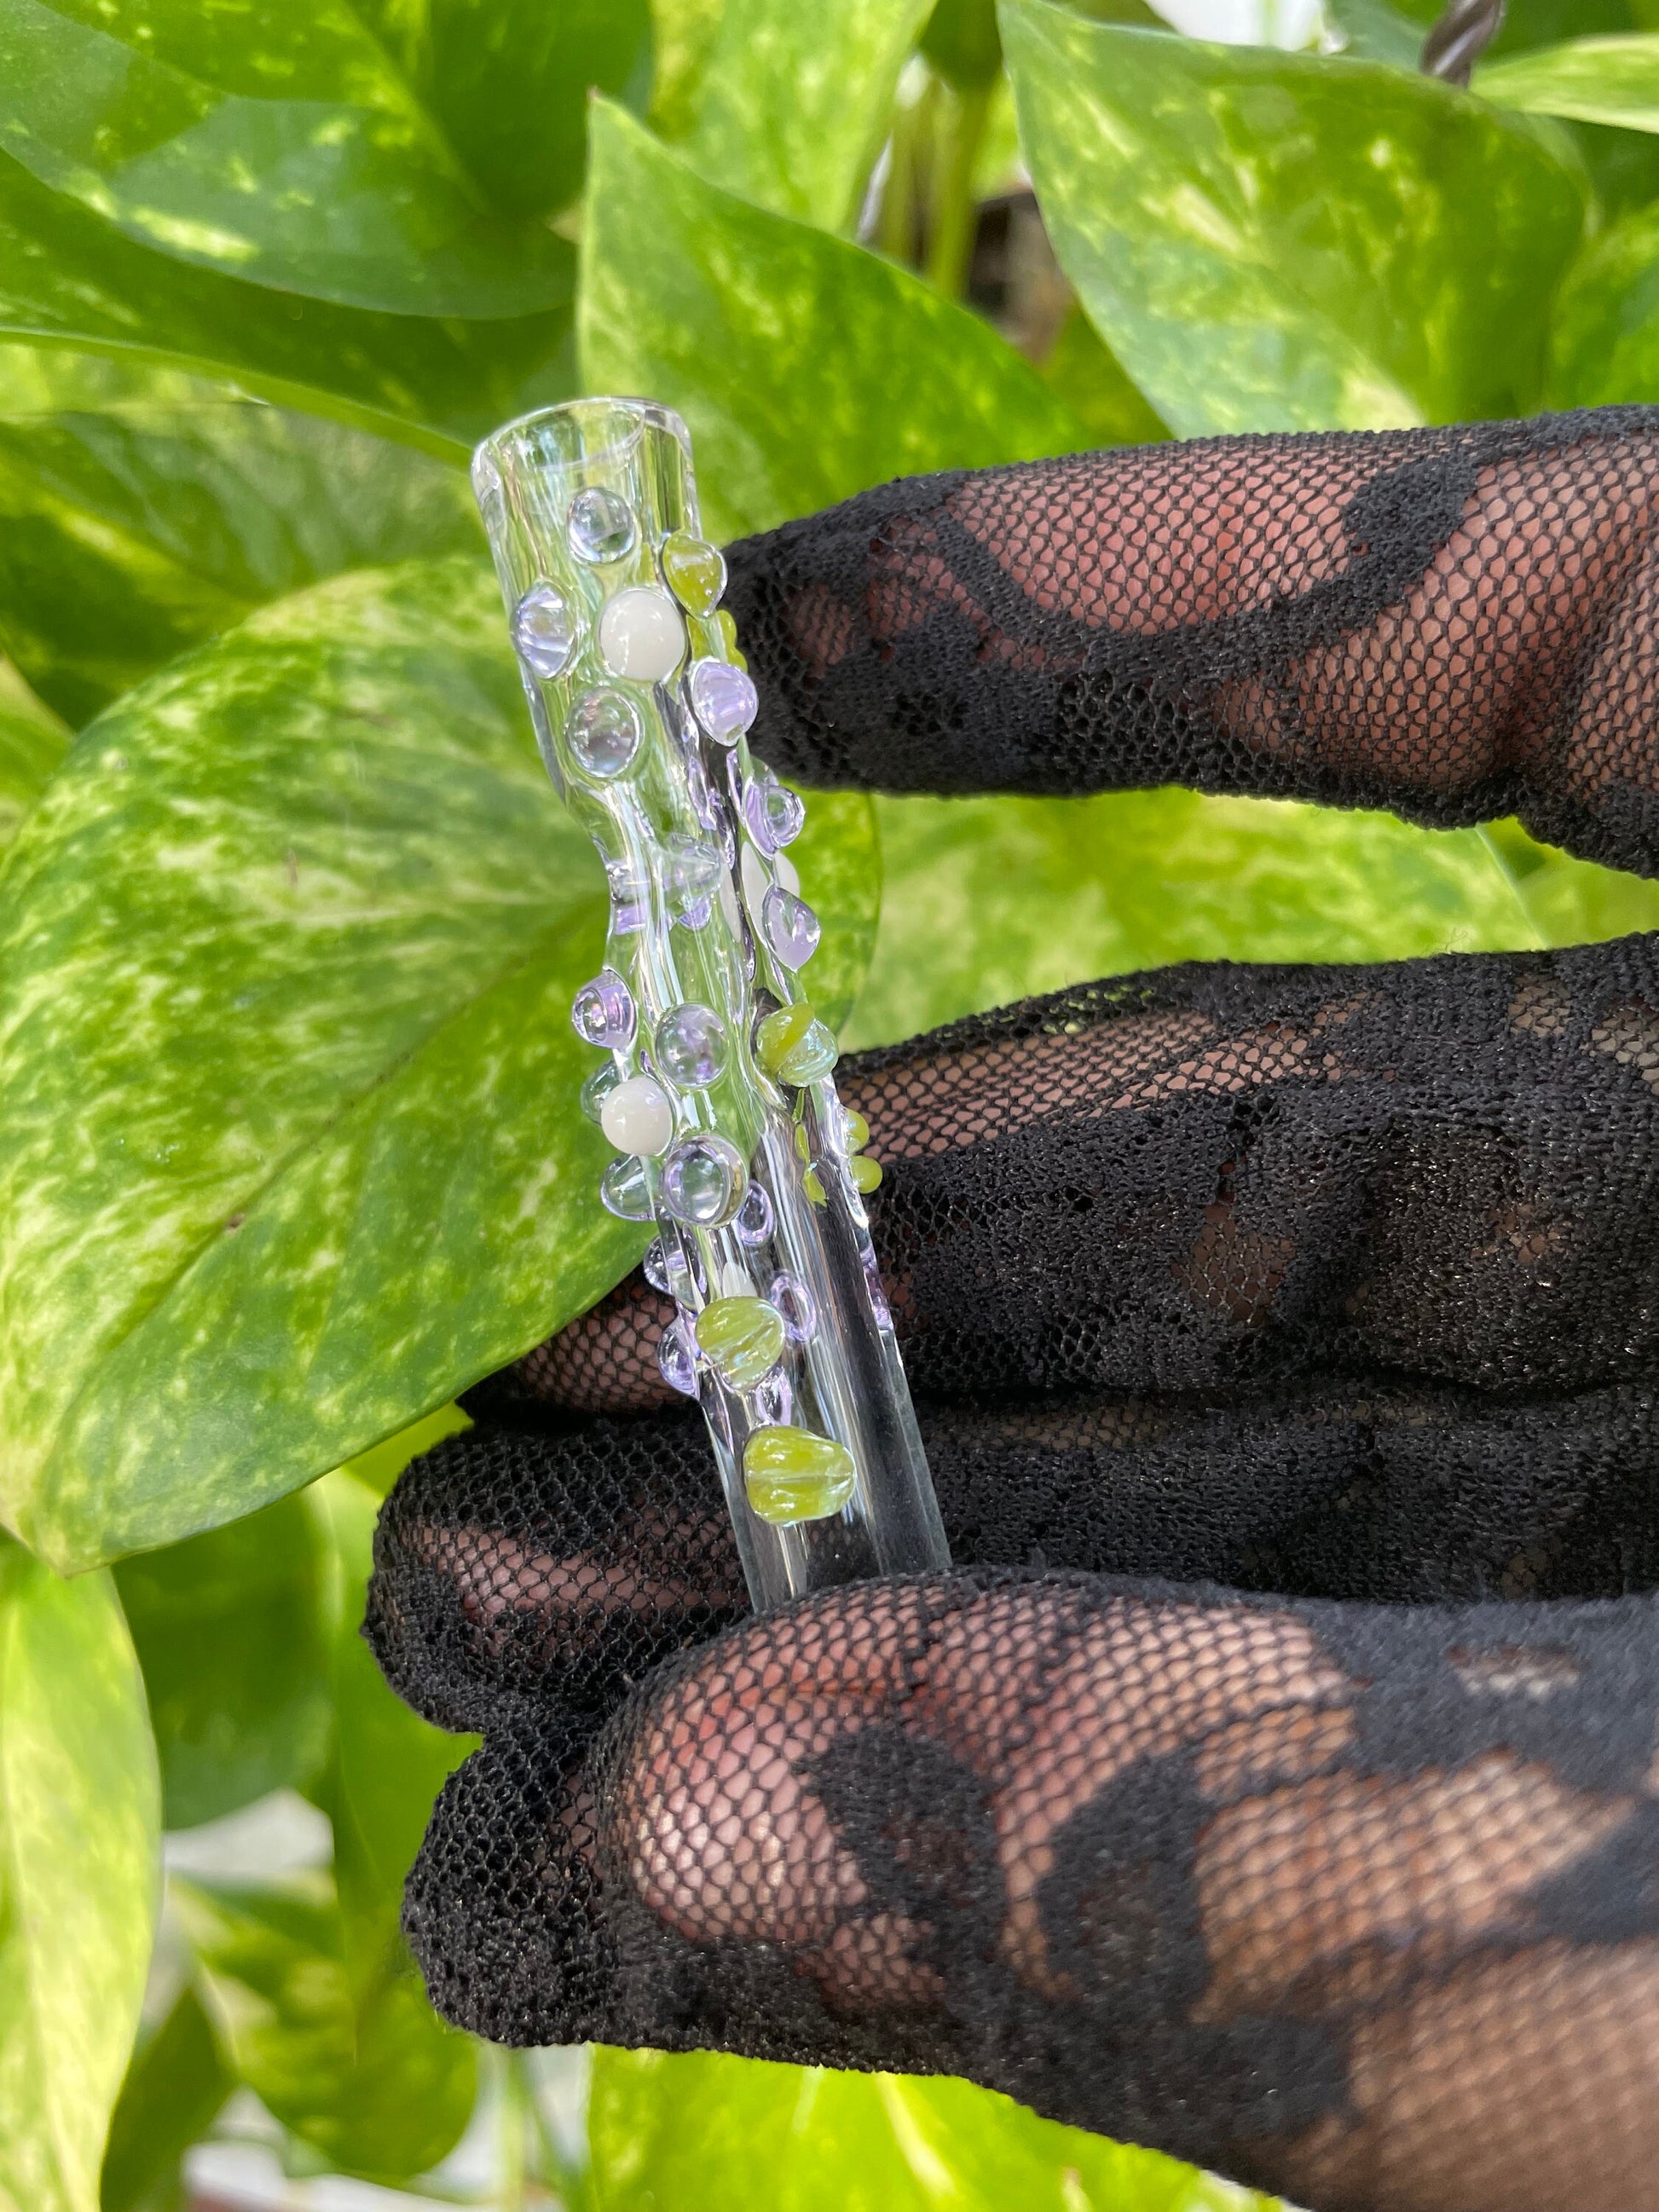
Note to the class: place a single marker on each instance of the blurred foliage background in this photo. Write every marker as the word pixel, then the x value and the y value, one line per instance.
pixel 290 918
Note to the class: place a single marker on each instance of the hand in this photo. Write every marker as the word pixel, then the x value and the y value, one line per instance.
pixel 1335 1284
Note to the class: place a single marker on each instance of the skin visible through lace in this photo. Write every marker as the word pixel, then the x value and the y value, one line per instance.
pixel 1342 1284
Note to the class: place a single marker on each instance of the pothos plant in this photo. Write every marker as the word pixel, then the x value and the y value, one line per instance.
pixel 290 918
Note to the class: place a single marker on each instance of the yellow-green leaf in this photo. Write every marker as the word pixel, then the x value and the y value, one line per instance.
pixel 1283 241
pixel 806 367
pixel 79 1835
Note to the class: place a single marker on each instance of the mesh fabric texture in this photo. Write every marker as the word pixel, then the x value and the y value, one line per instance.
pixel 1276 1779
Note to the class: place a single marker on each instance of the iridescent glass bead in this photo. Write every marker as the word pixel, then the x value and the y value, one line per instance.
pixel 545 629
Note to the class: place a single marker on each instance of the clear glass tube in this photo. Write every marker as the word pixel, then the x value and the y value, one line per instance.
pixel 716 1084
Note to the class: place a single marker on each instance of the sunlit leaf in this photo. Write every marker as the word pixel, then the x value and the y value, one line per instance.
pixel 794 101
pixel 371 2078
pixel 67 278
pixel 704 2129
pixel 78 1840
pixel 229 1631
pixel 142 511
pixel 291 945
pixel 174 2086
pixel 1613 80
pixel 683 33
pixel 779 344
pixel 294 155
pixel 1281 242
pixel 989 899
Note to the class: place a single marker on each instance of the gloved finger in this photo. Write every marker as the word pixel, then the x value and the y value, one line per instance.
pixel 1217 1177
pixel 524 1569
pixel 1457 624
pixel 1354 1903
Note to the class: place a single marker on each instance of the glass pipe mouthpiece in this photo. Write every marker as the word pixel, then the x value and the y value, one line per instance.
pixel 716 1087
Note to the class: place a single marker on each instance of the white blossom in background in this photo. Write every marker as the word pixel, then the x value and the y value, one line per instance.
pixel 1292 23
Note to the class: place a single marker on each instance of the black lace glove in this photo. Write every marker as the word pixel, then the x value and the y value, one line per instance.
pixel 1276 1779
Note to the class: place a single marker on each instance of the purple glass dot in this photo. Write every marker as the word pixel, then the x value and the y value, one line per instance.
pixel 724 698
pixel 655 1264
pixel 755 1221
pixel 795 1303
pixel 602 1012
pixel 545 629
pixel 774 814
pixel 677 1359
pixel 791 928
pixel 625 1190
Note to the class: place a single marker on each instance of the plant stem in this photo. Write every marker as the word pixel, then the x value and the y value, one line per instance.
pixel 951 215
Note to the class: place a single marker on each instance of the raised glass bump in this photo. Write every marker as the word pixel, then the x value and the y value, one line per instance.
pixel 592 506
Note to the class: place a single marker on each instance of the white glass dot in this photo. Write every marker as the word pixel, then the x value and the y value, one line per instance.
pixel 637 1117
pixel 692 1047
pixel 603 733
pixel 600 525
pixel 757 879
pixel 642 634
pixel 545 629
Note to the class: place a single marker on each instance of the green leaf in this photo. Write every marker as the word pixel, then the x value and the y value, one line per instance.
pixel 1573 902
pixel 989 899
pixel 961 42
pixel 292 155
pixel 1530 23
pixel 67 278
pixel 1605 338
pixel 370 2078
pixel 142 511
pixel 174 2088
pixel 1277 242
pixel 683 33
pixel 78 1842
pixel 291 943
pixel 389 1764
pixel 1371 30
pixel 702 2129
pixel 782 346
pixel 316 1997
pixel 1613 81
pixel 507 81
pixel 795 102
pixel 29 751
pixel 229 1629
pixel 1085 375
